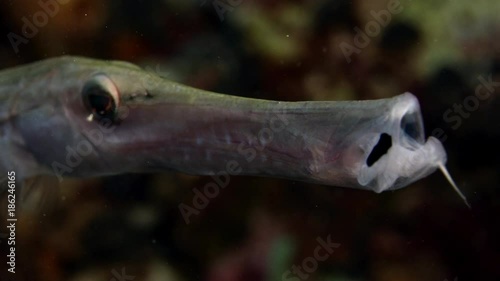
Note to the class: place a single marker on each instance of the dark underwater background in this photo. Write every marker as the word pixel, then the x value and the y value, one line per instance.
pixel 129 227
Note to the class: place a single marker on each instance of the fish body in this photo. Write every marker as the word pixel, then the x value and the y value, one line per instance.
pixel 79 117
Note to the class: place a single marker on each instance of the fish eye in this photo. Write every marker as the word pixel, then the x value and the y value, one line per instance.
pixel 101 98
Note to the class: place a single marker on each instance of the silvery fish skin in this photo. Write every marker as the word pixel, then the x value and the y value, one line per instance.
pixel 79 117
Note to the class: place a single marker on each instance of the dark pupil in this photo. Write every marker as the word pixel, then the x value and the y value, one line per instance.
pixel 99 102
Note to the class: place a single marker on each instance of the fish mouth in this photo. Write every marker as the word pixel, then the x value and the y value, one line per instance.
pixel 410 133
pixel 397 154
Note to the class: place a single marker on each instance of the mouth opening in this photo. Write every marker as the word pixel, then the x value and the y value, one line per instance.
pixel 380 149
pixel 411 125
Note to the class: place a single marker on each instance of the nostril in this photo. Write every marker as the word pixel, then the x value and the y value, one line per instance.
pixel 381 148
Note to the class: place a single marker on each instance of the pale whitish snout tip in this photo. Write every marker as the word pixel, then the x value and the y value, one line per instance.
pixel 452 182
pixel 438 156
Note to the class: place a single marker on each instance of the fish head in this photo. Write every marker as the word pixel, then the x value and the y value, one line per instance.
pixel 393 152
pixel 92 112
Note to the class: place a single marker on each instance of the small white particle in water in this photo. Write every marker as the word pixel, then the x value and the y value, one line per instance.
pixel 287 36
pixel 85 14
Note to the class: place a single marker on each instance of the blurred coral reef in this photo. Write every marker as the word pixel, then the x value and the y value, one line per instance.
pixel 129 227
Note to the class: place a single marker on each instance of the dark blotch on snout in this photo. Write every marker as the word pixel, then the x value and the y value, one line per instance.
pixel 381 148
